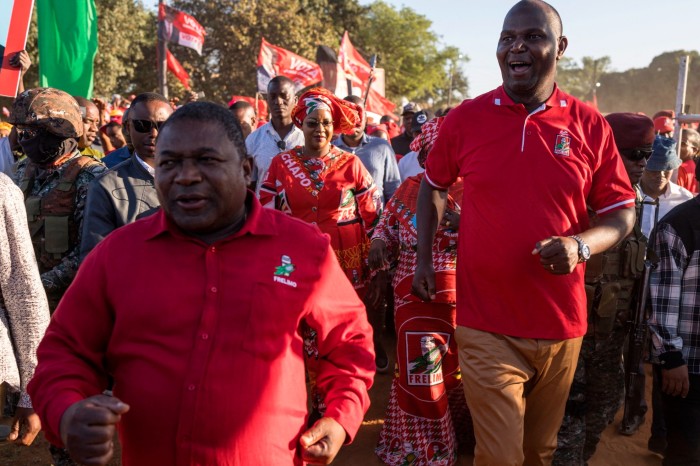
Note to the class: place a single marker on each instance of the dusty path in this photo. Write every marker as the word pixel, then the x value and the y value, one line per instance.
pixel 614 450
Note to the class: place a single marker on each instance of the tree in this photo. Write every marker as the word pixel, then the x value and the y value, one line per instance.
pixel 234 31
pixel 126 48
pixel 414 65
pixel 582 80
pixel 652 88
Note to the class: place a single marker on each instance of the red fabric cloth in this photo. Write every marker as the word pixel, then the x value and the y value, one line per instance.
pixel 346 115
pixel 397 228
pixel 203 341
pixel 341 199
pixel 551 164
pixel 686 176
pixel 428 135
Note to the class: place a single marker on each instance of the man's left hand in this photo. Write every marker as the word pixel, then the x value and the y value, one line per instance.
pixel 558 254
pixel 675 382
pixel 321 443
pixel 25 427
pixel 21 60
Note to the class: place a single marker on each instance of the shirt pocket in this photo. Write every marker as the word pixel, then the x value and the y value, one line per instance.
pixel 273 320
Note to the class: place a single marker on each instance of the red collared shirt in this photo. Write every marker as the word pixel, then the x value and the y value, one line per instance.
pixel 526 177
pixel 203 341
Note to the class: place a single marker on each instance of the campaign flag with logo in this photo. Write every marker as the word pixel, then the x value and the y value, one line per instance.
pixel 15 16
pixel 274 61
pixel 177 69
pixel 354 65
pixel 180 28
pixel 377 103
pixel 358 71
pixel 67 45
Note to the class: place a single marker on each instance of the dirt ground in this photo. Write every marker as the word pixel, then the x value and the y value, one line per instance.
pixel 614 449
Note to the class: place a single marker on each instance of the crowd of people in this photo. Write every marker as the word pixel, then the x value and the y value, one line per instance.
pixel 194 277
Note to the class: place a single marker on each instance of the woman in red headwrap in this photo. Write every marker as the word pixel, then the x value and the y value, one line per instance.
pixel 427 414
pixel 327 186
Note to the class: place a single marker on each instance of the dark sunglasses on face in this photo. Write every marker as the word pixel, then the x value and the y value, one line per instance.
pixel 637 154
pixel 146 126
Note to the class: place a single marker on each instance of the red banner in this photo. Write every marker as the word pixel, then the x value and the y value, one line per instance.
pixel 274 61
pixel 377 103
pixel 176 68
pixel 180 28
pixel 354 65
pixel 14 39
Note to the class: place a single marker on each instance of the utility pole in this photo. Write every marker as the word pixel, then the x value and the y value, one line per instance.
pixel 162 61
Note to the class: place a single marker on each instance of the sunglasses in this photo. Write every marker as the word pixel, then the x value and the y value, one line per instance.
pixel 635 155
pixel 281 145
pixel 146 126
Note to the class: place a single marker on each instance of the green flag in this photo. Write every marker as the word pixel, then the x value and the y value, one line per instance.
pixel 67 45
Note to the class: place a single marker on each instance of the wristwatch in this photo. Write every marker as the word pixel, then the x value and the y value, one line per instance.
pixel 584 252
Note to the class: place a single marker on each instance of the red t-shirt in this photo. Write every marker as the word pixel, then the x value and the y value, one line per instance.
pixel 526 178
pixel 203 341
pixel 686 176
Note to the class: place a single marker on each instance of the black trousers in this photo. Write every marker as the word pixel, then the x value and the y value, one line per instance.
pixel 682 417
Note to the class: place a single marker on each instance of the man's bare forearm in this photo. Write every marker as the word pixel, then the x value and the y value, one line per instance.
pixel 431 206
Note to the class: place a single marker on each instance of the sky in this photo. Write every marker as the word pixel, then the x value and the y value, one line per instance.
pixel 630 32
pixel 5 8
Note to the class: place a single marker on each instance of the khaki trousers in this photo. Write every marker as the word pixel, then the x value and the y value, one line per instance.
pixel 516 389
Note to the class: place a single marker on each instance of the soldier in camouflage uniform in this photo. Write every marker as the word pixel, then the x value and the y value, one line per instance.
pixel 599 382
pixel 54 178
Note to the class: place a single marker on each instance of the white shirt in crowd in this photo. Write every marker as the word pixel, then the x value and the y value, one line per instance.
pixel 409 166
pixel 262 145
pixel 674 195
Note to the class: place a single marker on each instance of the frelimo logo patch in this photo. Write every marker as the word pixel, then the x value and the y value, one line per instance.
pixel 283 271
pixel 561 147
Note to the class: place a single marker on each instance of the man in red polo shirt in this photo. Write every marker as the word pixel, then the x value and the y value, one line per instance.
pixel 521 304
pixel 195 314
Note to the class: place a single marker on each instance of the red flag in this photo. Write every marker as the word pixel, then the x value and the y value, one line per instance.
pixel 17 15
pixel 355 67
pixel 274 61
pixel 176 68
pixel 376 103
pixel 180 28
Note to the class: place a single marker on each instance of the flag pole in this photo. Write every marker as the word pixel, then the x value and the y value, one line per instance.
pixel 162 62
pixel 372 64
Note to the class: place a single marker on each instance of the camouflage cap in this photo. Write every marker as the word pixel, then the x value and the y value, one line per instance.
pixel 49 108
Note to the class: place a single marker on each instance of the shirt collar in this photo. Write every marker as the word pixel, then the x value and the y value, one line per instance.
pixel 259 222
pixel 557 99
pixel 275 135
pixel 339 142
pixel 151 171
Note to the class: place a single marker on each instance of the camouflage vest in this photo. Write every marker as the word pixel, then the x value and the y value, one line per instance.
pixel 51 224
pixel 610 282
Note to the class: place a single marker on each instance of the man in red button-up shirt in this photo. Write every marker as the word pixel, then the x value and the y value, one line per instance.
pixel 196 313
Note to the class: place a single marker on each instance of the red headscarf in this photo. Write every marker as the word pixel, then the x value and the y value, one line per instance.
pixel 346 115
pixel 427 136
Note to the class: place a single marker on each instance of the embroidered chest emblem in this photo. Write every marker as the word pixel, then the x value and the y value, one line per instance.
pixel 563 143
pixel 283 271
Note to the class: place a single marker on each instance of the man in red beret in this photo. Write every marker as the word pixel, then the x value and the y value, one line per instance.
pixel 611 278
